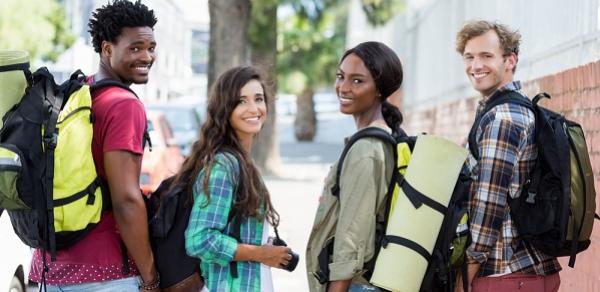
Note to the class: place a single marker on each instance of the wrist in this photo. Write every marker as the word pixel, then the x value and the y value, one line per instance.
pixel 471 260
pixel 258 253
pixel 146 268
pixel 151 283
pixel 148 275
pixel 248 252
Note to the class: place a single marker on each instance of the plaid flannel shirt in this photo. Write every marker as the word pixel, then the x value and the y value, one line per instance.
pixel 505 139
pixel 207 235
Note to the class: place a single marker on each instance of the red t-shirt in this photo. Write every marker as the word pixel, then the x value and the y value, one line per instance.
pixel 119 125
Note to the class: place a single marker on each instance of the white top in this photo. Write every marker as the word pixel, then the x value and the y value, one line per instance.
pixel 266 280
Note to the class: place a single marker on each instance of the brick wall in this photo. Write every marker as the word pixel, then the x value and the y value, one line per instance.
pixel 576 94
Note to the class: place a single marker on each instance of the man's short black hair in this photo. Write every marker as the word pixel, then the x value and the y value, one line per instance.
pixel 108 21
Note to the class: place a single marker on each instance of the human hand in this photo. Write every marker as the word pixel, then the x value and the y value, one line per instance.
pixel 472 269
pixel 275 256
pixel 458 285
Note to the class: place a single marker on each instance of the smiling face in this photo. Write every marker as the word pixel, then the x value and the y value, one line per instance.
pixel 130 58
pixel 485 64
pixel 250 113
pixel 355 87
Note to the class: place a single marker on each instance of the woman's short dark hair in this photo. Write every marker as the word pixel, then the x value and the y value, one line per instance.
pixel 108 21
pixel 386 69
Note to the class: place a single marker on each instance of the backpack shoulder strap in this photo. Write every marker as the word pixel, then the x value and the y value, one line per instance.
pixel 364 133
pixel 110 83
pixel 500 97
pixel 114 83
pixel 236 220
pixel 234 217
pixel 19 67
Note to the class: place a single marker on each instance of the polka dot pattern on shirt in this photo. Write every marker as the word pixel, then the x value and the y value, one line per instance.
pixel 68 273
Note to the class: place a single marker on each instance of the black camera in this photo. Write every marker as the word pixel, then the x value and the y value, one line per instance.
pixel 291 266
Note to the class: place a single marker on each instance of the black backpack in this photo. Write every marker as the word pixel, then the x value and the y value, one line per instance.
pixel 556 208
pixel 168 215
pixel 452 240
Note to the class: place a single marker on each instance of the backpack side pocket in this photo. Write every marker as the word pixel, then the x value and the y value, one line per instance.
pixel 12 172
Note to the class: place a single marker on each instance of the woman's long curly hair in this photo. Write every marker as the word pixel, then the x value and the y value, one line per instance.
pixel 217 135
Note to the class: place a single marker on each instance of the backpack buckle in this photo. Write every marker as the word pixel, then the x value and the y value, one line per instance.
pixel 530 198
pixel 321 277
pixel 384 242
pixel 51 141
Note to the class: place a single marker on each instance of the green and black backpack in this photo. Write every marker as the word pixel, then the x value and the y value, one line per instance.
pixel 556 209
pixel 447 257
pixel 48 180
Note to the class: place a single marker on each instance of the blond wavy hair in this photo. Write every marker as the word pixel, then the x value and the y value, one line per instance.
pixel 509 39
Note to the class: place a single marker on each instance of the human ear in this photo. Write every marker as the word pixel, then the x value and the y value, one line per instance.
pixel 106 48
pixel 511 61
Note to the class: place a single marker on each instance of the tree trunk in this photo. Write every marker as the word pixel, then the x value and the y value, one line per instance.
pixel 228 46
pixel 305 125
pixel 263 42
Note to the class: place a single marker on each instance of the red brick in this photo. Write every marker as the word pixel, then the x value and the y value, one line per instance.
pixel 590 76
pixel 594 72
pixel 594 142
pixel 595 160
pixel 568 102
pixel 595 98
pixel 585 99
pixel 594 124
pixel 589 138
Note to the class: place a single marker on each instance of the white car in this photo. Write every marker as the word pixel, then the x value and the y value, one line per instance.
pixel 15 258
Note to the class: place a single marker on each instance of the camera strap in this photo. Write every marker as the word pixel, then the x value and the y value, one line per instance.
pixel 236 233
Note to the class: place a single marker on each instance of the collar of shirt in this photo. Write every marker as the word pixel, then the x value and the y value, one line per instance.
pixel 511 86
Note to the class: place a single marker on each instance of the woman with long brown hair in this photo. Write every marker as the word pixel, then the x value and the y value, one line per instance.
pixel 228 192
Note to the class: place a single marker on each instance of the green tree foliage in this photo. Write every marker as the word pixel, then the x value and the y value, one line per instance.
pixel 311 40
pixel 309 45
pixel 261 21
pixel 36 26
pixel 379 12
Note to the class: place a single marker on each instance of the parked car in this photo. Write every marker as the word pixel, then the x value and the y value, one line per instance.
pixel 185 120
pixel 15 258
pixel 165 159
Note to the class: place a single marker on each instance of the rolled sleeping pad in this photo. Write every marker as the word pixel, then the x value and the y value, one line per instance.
pixel 13 79
pixel 418 213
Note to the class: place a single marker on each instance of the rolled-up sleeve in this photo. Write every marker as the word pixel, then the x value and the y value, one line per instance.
pixel 498 148
pixel 355 231
pixel 205 236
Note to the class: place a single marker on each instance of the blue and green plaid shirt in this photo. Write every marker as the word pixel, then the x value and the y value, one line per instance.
pixel 206 236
